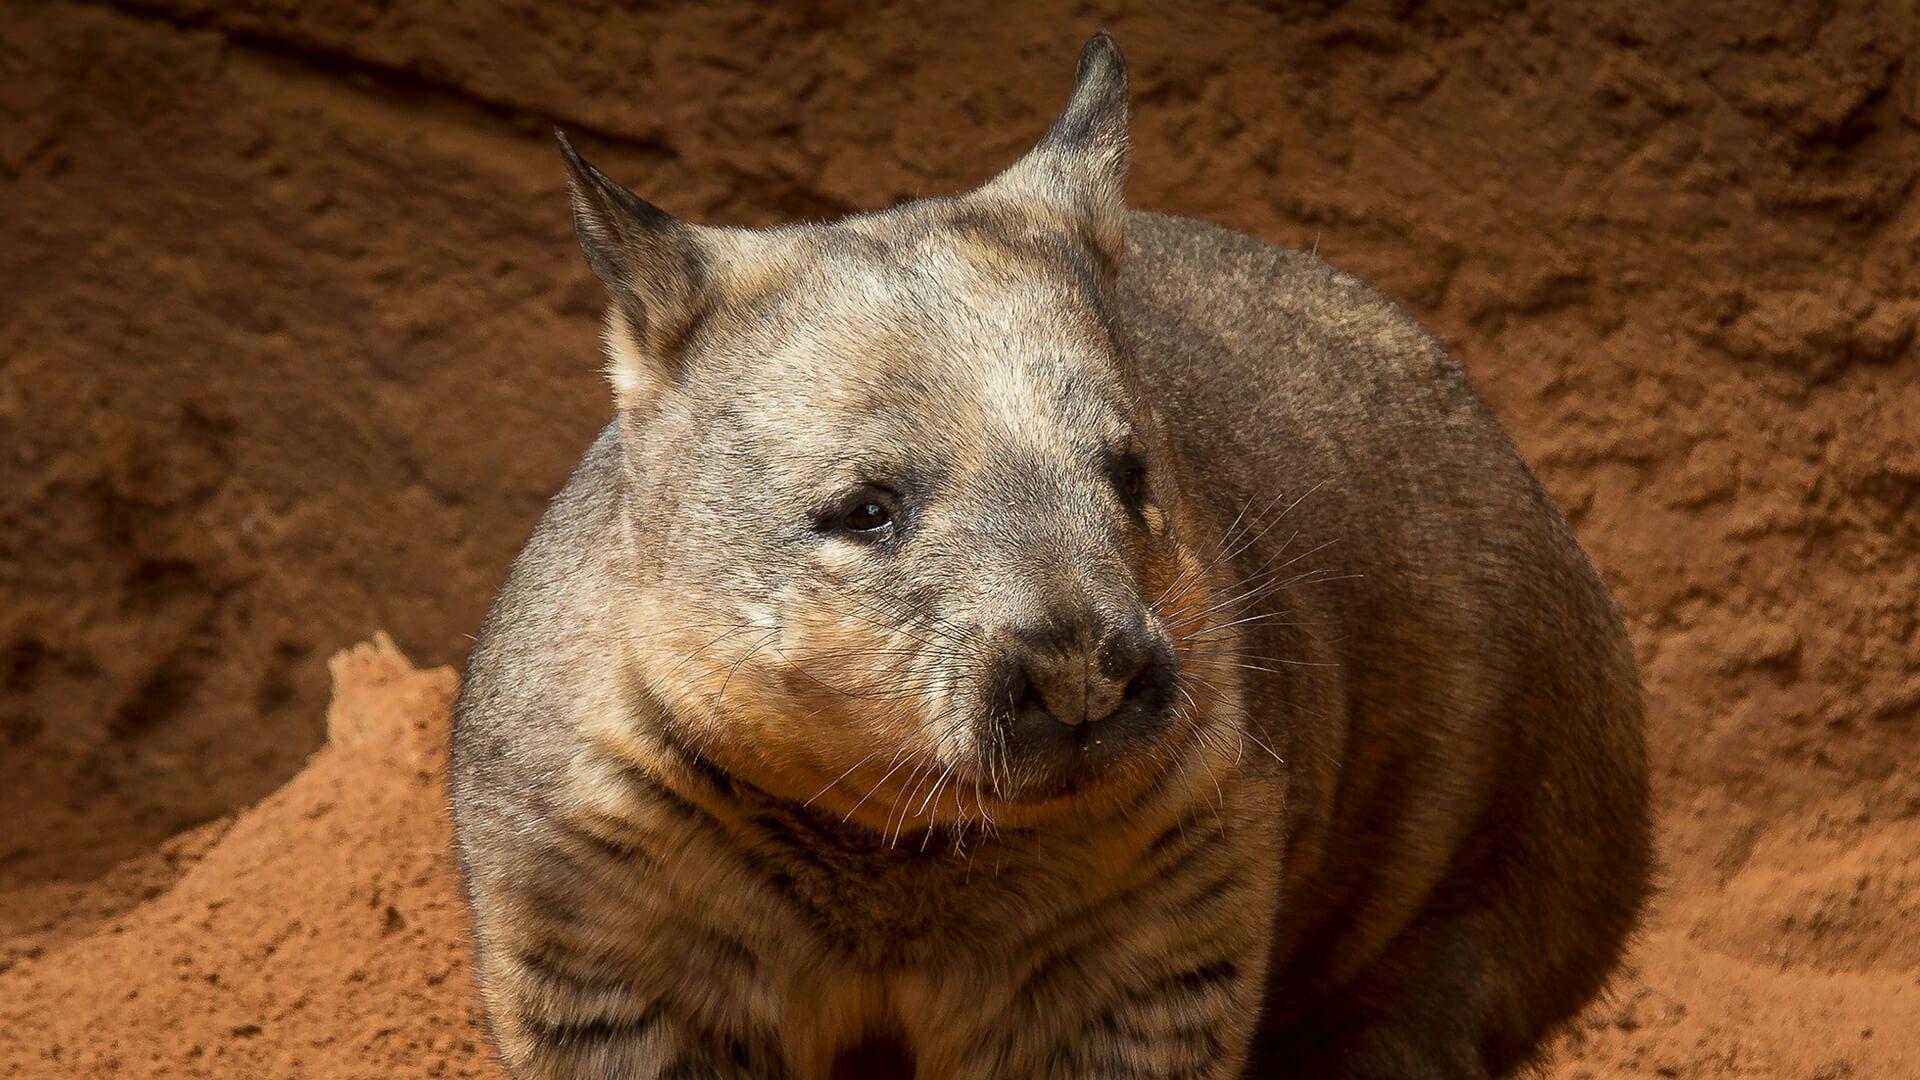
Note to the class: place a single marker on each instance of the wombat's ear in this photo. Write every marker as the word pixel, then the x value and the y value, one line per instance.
pixel 1076 175
pixel 657 267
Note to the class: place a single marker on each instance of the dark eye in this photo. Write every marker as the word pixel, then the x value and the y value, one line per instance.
pixel 867 512
pixel 866 516
pixel 1133 481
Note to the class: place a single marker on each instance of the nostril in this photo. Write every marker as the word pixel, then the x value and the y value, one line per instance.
pixel 1144 682
pixel 1127 657
pixel 1021 692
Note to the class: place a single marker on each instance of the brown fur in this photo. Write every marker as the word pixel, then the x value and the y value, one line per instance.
pixel 736 793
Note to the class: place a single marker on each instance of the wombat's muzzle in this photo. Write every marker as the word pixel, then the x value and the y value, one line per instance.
pixel 1080 692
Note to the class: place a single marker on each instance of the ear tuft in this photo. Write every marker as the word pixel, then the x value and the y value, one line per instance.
pixel 1076 175
pixel 1095 119
pixel 656 267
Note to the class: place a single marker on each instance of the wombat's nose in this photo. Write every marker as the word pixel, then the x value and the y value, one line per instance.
pixel 1081 685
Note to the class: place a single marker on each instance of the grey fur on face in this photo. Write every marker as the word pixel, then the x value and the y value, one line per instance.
pixel 952 365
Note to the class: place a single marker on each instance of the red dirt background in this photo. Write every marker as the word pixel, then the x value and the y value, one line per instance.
pixel 294 345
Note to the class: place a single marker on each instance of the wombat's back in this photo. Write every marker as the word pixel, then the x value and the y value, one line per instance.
pixel 1452 687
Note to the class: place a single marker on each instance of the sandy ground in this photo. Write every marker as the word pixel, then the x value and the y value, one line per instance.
pixel 294 345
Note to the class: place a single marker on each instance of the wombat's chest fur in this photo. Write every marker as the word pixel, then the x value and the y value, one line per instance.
pixel 689 919
pixel 875 903
pixel 1009 636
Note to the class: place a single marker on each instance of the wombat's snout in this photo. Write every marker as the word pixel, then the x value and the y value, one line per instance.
pixel 1088 686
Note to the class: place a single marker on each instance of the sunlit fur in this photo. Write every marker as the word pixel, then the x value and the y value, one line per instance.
pixel 857 676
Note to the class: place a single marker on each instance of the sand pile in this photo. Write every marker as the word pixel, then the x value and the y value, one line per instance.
pixel 319 933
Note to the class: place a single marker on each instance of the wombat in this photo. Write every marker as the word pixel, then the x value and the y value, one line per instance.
pixel 1007 635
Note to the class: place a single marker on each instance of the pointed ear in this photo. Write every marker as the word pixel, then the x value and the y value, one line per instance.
pixel 1076 176
pixel 658 268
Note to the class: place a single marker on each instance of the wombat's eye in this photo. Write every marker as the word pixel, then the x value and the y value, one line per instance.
pixel 867 517
pixel 867 513
pixel 1132 477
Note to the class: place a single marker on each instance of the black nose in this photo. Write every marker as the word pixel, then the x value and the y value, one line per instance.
pixel 1074 683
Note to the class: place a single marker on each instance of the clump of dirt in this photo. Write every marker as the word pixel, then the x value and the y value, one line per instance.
pixel 319 933
pixel 294 345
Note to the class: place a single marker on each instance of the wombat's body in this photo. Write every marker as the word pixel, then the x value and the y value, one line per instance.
pixel 1405 836
pixel 1467 838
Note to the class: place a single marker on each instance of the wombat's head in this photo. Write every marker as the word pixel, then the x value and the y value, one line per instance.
pixel 909 541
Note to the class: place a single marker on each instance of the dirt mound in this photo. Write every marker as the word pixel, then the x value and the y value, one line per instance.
pixel 319 933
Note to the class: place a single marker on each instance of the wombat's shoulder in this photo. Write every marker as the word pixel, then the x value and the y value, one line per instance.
pixel 1280 375
pixel 1268 359
pixel 1194 291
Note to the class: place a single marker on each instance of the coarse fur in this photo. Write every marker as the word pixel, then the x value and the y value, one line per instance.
pixel 1219 695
